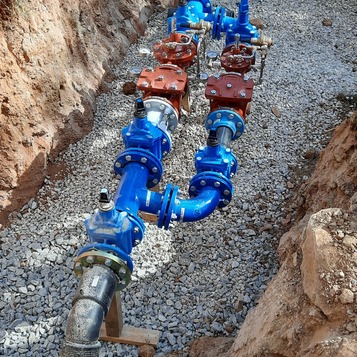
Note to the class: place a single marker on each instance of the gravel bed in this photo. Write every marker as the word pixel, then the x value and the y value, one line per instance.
pixel 197 278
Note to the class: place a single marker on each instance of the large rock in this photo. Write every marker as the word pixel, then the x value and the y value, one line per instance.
pixel 54 57
pixel 308 306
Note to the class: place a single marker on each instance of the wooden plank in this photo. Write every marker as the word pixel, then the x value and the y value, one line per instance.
pixel 132 336
pixel 114 319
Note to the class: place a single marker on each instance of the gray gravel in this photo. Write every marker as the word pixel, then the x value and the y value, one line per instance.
pixel 198 278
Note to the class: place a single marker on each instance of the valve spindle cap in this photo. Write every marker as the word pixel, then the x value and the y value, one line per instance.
pixel 104 196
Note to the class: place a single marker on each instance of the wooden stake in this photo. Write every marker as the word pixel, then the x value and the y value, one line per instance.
pixel 113 330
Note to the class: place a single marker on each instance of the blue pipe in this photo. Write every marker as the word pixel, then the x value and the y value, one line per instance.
pixel 194 11
pixel 197 208
pixel 133 179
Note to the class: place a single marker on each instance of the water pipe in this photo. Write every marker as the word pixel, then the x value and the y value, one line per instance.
pixel 105 265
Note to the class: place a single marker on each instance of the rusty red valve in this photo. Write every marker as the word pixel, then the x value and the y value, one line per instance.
pixel 230 91
pixel 166 81
pixel 179 49
pixel 238 58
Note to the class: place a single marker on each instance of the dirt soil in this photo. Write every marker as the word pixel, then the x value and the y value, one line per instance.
pixel 55 59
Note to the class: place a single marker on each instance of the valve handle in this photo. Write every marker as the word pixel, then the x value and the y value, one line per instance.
pixel 104 196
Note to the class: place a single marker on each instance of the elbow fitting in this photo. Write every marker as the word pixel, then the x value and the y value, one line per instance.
pixel 90 305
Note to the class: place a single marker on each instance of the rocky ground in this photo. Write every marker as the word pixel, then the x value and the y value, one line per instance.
pixel 197 279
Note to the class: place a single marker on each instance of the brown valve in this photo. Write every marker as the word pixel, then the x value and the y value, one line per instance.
pixel 166 81
pixel 238 59
pixel 179 49
pixel 230 91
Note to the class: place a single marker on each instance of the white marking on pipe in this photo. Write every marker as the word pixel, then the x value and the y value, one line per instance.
pixel 182 214
pixel 95 281
pixel 147 202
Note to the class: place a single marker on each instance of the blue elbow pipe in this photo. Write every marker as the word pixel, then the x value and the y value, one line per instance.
pixel 198 207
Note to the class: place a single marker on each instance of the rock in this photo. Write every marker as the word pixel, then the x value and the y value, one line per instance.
pixel 347 296
pixel 146 351
pixel 258 23
pixel 327 22
pixel 129 88
pixel 310 154
pixel 276 112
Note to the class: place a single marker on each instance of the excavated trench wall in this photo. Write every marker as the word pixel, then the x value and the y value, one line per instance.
pixel 55 58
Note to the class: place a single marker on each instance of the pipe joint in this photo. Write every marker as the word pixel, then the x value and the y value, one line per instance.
pixel 143 157
pixel 214 180
pixel 228 118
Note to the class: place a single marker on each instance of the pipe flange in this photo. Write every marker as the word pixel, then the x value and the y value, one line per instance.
pixel 217 27
pixel 164 206
pixel 167 206
pixel 228 118
pixel 212 179
pixel 161 114
pixel 141 156
pixel 91 257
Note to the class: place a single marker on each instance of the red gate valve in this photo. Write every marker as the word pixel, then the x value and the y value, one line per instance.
pixel 230 91
pixel 179 49
pixel 165 81
pixel 238 58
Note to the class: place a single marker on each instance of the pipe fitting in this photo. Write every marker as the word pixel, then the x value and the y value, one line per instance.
pixel 90 305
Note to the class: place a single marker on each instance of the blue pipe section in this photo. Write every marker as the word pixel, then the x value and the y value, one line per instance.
pixel 194 11
pixel 116 226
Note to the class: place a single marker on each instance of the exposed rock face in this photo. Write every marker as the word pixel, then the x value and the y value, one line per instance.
pixel 310 307
pixel 54 57
pixel 335 180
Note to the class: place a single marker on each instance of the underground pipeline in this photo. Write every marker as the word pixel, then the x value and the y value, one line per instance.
pixel 90 305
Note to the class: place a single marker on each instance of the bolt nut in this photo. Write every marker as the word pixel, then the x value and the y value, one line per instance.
pixel 136 242
pixel 117 164
pixel 229 85
pixel 203 183
pixel 217 184
pixel 213 92
pixel 78 266
pixel 192 188
pixel 225 202
pixel 128 158
pixel 226 192
pixel 218 115
pixel 90 259
pixel 154 169
pixel 143 160
pixel 122 272
pixel 136 230
pixel 108 262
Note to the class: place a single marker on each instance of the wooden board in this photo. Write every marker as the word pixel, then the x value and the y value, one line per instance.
pixel 132 336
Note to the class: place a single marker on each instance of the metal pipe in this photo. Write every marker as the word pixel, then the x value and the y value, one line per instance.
pixel 224 136
pixel 197 208
pixel 90 305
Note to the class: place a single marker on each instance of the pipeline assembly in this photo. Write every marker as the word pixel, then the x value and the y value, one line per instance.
pixel 115 228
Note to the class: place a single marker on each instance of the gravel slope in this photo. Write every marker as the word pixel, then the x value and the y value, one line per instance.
pixel 198 278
